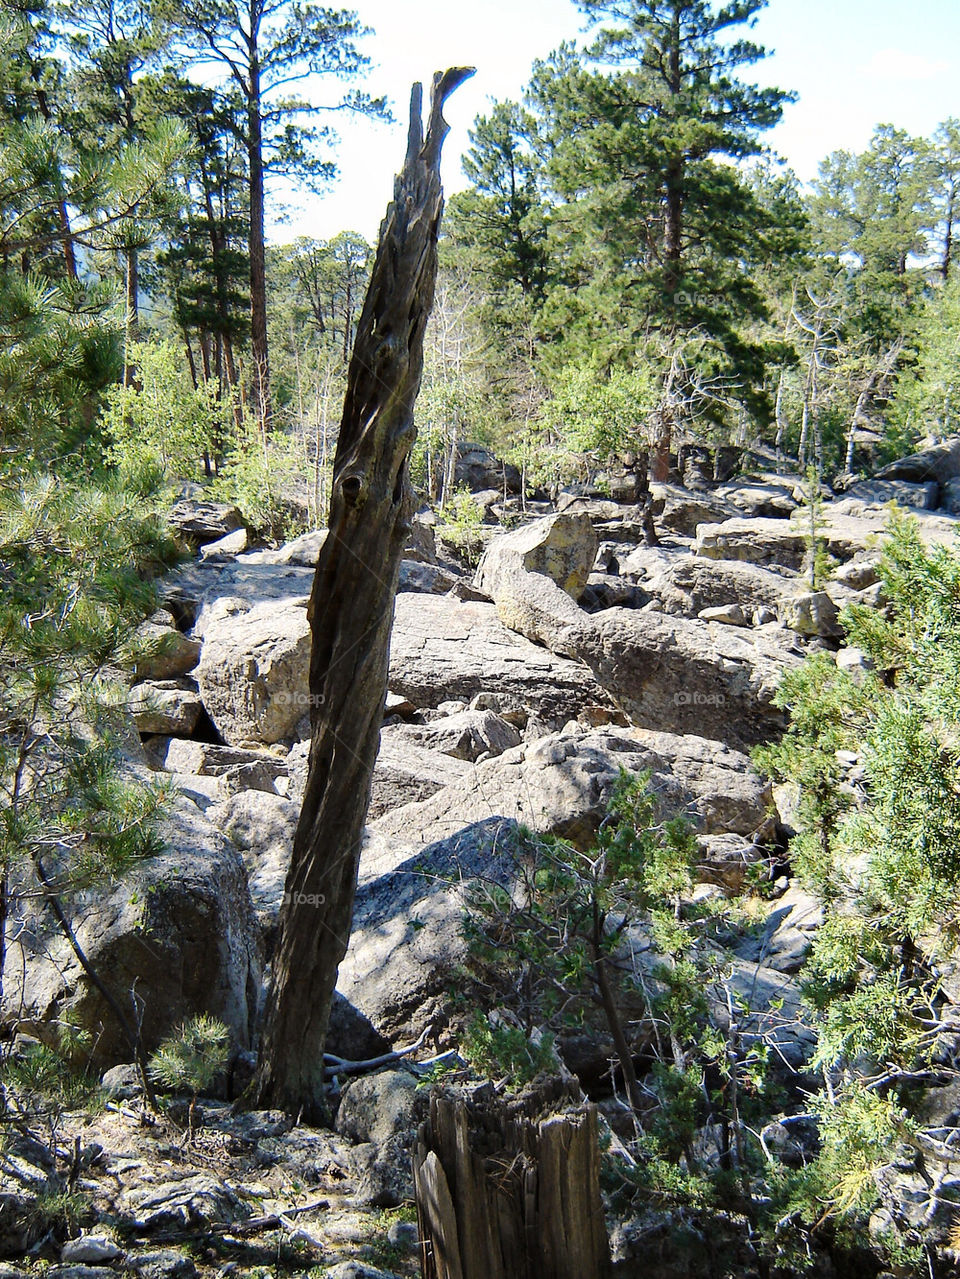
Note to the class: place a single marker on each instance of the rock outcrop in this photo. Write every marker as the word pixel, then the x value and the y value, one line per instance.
pixel 175 937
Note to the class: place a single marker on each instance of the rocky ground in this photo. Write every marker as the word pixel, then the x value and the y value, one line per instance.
pixel 517 692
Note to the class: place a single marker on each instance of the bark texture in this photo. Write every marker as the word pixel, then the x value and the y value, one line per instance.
pixel 505 1192
pixel 351 616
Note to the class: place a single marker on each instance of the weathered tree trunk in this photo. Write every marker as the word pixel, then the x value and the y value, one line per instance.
pixel 351 615
pixel 504 1193
pixel 259 349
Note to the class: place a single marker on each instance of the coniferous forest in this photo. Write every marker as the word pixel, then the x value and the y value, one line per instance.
pixel 664 825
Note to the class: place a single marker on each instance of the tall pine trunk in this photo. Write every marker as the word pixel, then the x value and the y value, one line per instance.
pixel 259 348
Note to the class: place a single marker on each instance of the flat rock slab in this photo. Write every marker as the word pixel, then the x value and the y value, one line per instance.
pixel 444 648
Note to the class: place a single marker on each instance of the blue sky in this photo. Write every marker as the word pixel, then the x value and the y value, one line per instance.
pixel 855 63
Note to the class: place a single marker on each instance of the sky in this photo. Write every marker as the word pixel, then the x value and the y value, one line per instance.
pixel 854 63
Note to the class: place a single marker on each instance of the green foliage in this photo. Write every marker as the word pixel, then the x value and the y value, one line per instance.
pixel 40 1075
pixel 879 843
pixel 563 944
pixel 73 564
pixel 162 425
pixel 597 412
pixel 191 1060
pixel 494 1047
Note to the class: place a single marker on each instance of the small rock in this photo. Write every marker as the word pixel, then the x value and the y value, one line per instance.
pixel 404 1234
pixel 93 1249
pixel 357 1270
pixel 396 704
pixel 122 1083
pixel 727 615
pixel 226 547
pixel 166 706
pixel 811 613
pixel 200 522
pixel 763 616
pixel 169 652
pixel 376 1107
pixel 873 596
pixel 858 574
pixel 199 1200
pixel 165 1263
pixel 80 1272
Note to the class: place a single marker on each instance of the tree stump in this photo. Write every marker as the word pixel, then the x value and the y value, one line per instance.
pixel 510 1190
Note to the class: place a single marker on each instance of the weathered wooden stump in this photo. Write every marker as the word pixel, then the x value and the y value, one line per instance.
pixel 510 1190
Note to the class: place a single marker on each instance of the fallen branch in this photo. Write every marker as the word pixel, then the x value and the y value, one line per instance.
pixel 339 1066
pixel 279 1218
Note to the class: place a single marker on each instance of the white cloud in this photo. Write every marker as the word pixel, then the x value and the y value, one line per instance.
pixel 896 64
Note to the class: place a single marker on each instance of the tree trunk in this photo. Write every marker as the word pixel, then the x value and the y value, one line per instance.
pixel 951 216
pixel 132 324
pixel 351 615
pixel 259 349
pixel 510 1191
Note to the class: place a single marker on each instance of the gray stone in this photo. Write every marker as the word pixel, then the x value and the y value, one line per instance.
pixel 605 590
pixel 226 547
pixel 727 859
pixel 164 1263
pixel 939 462
pixel 165 706
pixel 197 1200
pixel 763 616
pixel 198 522
pixel 167 651
pixel 254 673
pixel 466 734
pixel 678 676
pixel 478 468
pixel 924 497
pixel 395 704
pixel 357 1270
pixel 303 550
pixel 262 827
pixel 256 769
pixel 788 933
pixel 811 613
pixel 407 937
pixel 422 543
pixel 404 773
pixel 80 1271
pixel 561 784
pixel 677 510
pixel 854 661
pixel 425 579
pixel 403 1234
pixel 443 648
pixel 178 929
pixel 381 1106
pixel 91 1249
pixel 121 1082
pixel 536 574
pixel 726 615
pixel 950 496
pixel 756 541
pixel 859 573
pixel 684 585
pixel 760 499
